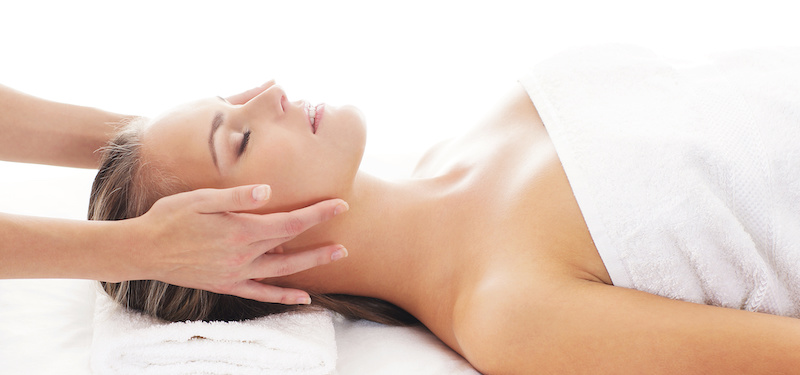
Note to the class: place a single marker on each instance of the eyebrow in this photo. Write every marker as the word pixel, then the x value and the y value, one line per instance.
pixel 215 123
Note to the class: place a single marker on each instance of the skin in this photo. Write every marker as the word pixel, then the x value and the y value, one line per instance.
pixel 486 244
pixel 195 239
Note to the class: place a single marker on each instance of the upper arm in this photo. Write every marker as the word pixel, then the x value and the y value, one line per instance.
pixel 587 327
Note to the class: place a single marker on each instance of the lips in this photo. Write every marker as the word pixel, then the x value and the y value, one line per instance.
pixel 314 115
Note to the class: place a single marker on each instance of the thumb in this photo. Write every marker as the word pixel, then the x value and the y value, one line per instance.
pixel 240 198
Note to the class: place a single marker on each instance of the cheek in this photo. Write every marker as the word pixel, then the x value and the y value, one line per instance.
pixel 271 164
pixel 286 169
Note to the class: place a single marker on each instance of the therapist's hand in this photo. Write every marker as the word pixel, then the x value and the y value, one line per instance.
pixel 200 239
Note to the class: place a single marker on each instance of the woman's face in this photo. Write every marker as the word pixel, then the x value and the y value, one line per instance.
pixel 268 140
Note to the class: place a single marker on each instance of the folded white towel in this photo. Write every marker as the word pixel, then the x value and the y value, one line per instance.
pixel 688 174
pixel 127 342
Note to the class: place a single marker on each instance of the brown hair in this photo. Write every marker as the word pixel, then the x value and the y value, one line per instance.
pixel 126 187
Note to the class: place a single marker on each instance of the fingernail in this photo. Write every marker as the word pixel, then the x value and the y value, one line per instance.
pixel 341 207
pixel 303 301
pixel 339 254
pixel 261 193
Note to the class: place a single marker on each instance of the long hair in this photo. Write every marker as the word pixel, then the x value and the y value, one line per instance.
pixel 126 187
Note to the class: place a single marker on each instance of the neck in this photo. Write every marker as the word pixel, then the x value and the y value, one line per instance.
pixel 396 243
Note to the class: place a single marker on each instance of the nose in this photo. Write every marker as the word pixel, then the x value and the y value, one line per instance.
pixel 271 103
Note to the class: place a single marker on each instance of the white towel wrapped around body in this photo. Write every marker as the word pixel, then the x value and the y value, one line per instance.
pixel 127 342
pixel 688 174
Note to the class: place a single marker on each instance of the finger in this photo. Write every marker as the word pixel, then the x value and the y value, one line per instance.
pixel 240 198
pixel 287 225
pixel 276 250
pixel 246 96
pixel 277 265
pixel 269 293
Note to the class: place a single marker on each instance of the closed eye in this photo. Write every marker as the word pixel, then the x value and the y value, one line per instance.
pixel 245 141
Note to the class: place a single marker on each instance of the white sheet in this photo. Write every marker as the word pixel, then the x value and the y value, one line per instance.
pixel 45 326
pixel 371 348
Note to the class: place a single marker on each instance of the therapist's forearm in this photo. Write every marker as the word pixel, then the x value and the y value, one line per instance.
pixel 35 247
pixel 34 130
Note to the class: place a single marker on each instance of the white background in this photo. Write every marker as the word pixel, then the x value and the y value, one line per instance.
pixel 419 70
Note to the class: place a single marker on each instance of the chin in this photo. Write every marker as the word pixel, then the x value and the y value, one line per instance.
pixel 354 116
pixel 354 129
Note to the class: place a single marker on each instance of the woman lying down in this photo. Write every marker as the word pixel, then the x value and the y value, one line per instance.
pixel 617 213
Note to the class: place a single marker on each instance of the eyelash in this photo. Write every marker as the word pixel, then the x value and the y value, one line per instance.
pixel 245 141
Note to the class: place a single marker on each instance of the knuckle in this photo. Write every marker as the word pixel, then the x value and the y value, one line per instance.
pixel 293 226
pixel 238 199
pixel 320 212
pixel 284 269
pixel 197 197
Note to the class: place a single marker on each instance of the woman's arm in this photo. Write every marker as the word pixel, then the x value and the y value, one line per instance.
pixel 34 130
pixel 194 239
pixel 590 328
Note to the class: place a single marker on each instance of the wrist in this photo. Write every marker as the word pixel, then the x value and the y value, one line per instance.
pixel 124 251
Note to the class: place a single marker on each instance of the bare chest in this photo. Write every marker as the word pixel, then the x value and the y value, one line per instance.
pixel 512 194
pixel 513 207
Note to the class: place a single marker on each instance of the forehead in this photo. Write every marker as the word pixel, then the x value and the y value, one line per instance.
pixel 177 142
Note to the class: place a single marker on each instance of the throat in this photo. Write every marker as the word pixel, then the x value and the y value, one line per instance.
pixel 400 239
